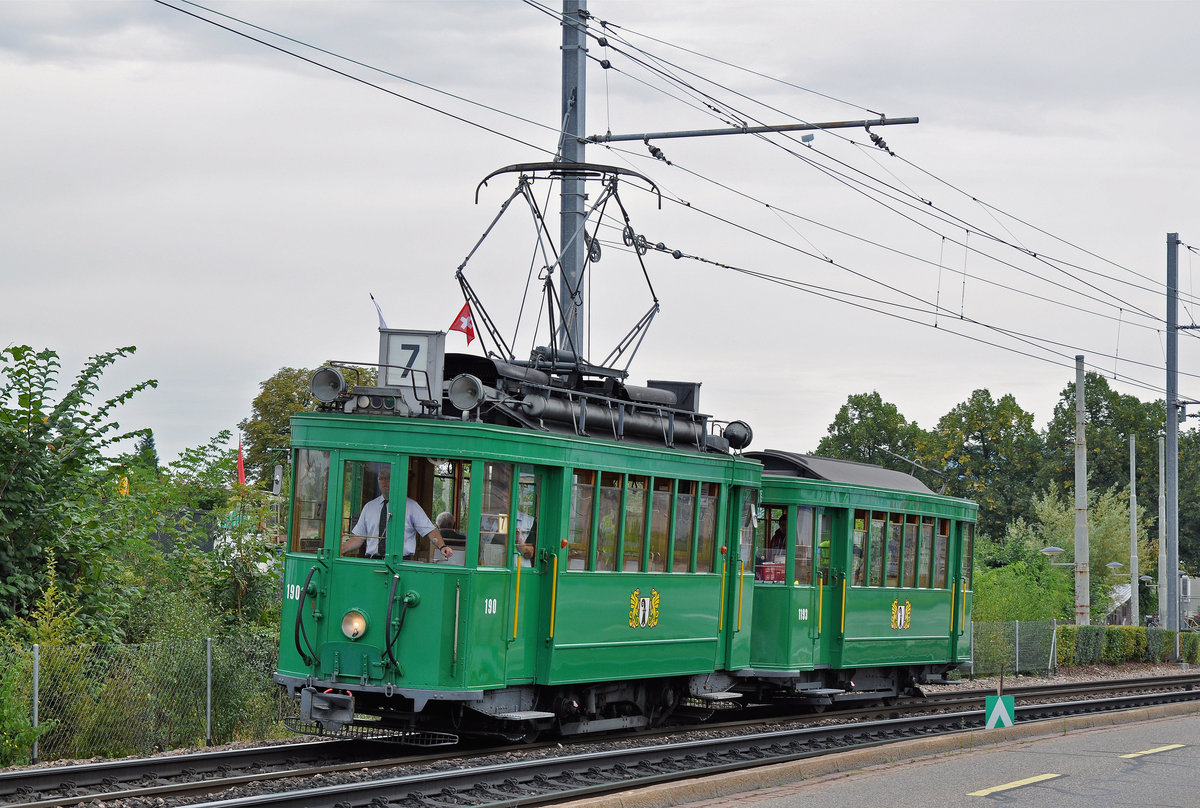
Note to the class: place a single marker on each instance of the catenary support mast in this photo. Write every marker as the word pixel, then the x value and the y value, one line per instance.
pixel 573 203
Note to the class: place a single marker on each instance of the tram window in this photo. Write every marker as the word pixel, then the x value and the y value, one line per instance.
pixel 875 548
pixel 494 515
pixel 635 523
pixel 940 548
pixel 804 546
pixel 660 522
pixel 579 531
pixel 610 521
pixel 451 498
pixel 858 560
pixel 706 547
pixel 825 545
pixel 685 512
pixel 925 556
pixel 911 525
pixel 527 513
pixel 895 534
pixel 771 545
pixel 968 547
pixel 367 508
pixel 308 502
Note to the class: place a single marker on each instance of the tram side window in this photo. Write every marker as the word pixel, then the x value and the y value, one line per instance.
pixel 895 534
pixel 660 522
pixel 494 516
pixel 825 545
pixel 579 531
pixel 610 521
pixel 858 560
pixel 685 512
pixel 308 503
pixel 706 547
pixel 367 509
pixel 925 556
pixel 804 546
pixel 940 548
pixel 875 548
pixel 968 548
pixel 911 526
pixel 451 502
pixel 635 522
pixel 771 545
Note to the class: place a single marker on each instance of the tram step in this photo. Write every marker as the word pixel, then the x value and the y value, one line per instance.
pixel 823 691
pixel 721 696
pixel 523 715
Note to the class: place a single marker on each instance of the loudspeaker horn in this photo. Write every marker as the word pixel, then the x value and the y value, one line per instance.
pixel 326 384
pixel 465 392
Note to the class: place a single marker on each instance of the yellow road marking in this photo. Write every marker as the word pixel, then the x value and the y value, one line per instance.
pixel 1152 751
pixel 1016 784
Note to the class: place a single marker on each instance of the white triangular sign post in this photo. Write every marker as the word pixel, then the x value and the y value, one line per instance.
pixel 1000 711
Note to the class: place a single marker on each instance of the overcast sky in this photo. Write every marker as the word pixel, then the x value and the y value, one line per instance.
pixel 228 208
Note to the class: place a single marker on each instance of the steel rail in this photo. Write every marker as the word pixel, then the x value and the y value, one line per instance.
pixel 534 782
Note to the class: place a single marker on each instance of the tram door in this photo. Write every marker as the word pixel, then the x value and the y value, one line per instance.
pixel 960 583
pixel 827 576
pixel 525 574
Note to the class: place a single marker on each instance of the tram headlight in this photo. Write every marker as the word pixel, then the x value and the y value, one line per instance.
pixel 354 624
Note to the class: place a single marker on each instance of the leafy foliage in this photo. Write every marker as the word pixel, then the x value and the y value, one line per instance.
pixel 268 429
pixel 52 476
pixel 991 453
pixel 868 429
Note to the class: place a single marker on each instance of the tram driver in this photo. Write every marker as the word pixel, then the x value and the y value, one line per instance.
pixel 370 531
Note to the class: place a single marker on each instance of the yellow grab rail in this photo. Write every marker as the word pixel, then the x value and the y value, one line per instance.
pixel 741 588
pixel 721 610
pixel 554 596
pixel 953 592
pixel 843 605
pixel 820 600
pixel 517 599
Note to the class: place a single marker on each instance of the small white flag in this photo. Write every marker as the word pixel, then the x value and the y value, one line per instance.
pixel 378 311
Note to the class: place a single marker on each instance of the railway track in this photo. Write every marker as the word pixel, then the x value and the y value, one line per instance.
pixel 329 768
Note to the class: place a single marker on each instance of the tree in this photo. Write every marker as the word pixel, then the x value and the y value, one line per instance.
pixel 54 482
pixel 992 454
pixel 268 429
pixel 267 432
pixel 1111 418
pixel 1108 540
pixel 868 429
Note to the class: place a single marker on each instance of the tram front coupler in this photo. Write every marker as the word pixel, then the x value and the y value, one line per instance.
pixel 329 709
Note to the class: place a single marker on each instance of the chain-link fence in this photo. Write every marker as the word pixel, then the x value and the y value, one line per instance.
pixel 116 700
pixel 1027 646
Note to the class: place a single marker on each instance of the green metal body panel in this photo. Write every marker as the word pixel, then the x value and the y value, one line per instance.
pixel 475 628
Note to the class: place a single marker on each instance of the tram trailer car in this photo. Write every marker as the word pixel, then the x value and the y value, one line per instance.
pixel 608 562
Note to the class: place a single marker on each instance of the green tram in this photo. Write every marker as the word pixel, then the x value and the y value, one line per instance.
pixel 604 554
pixel 862 582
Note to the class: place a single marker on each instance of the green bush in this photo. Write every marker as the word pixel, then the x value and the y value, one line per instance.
pixel 17 732
pixel 1160 644
pixel 1113 652
pixel 1065 647
pixel 1089 644
pixel 1135 643
pixel 1191 648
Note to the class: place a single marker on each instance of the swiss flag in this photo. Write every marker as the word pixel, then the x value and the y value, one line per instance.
pixel 241 467
pixel 464 322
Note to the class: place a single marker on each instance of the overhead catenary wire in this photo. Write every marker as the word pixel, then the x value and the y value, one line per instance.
pixel 777 211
